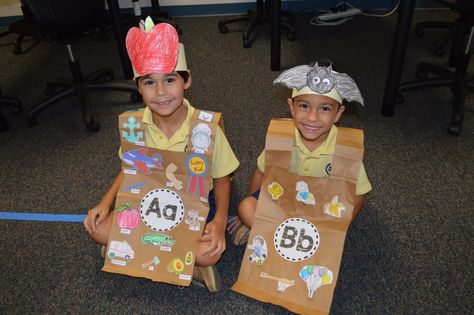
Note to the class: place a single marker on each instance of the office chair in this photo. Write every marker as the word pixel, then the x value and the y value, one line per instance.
pixel 157 15
pixel 444 77
pixel 24 27
pixel 61 20
pixel 451 26
pixel 16 109
pixel 260 15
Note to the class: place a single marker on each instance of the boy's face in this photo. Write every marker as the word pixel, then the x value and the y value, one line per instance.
pixel 314 116
pixel 163 92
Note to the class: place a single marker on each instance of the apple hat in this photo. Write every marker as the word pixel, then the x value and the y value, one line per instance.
pixel 155 49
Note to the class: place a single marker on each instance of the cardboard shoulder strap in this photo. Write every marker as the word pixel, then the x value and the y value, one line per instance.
pixel 279 142
pixel 348 153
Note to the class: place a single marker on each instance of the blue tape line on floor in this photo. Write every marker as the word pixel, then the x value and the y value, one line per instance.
pixel 42 217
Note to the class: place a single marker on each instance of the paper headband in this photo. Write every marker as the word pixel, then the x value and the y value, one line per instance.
pixel 155 49
pixel 321 81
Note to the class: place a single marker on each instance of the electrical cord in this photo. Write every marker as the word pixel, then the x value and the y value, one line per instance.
pixel 318 22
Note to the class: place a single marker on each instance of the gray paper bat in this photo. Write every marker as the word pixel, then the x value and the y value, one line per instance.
pixel 321 80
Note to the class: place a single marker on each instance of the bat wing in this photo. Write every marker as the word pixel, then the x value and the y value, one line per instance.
pixel 295 77
pixel 347 88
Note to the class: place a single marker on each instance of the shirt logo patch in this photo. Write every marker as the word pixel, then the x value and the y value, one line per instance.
pixel 328 169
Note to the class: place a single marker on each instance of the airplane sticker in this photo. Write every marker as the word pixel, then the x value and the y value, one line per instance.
pixel 139 160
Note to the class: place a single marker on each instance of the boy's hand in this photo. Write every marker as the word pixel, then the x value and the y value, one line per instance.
pixel 214 234
pixel 95 216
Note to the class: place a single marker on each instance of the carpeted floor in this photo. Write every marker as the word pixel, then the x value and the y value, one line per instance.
pixel 409 252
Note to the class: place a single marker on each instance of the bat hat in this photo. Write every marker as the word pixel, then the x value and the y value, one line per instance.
pixel 155 49
pixel 320 80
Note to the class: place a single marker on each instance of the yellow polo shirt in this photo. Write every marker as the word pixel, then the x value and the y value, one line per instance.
pixel 224 161
pixel 318 162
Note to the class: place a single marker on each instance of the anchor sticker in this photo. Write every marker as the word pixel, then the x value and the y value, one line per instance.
pixel 131 125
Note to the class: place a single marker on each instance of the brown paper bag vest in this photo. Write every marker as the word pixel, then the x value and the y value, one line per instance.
pixel 295 245
pixel 161 207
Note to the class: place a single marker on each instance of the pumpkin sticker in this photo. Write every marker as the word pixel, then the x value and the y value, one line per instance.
pixel 127 218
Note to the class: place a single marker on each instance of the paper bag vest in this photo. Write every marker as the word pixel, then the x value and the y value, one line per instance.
pixel 295 245
pixel 161 207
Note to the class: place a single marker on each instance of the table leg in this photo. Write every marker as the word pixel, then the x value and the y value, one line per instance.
pixel 397 57
pixel 120 37
pixel 275 46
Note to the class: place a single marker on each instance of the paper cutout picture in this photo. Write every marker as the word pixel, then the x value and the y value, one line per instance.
pixel 153 262
pixel 131 136
pixel 176 265
pixel 193 219
pixel 176 183
pixel 139 160
pixel 334 208
pixel 201 138
pixel 275 190
pixel 260 251
pixel 157 239
pixel 303 195
pixel 283 283
pixel 315 277
pixel 127 218
pixel 121 250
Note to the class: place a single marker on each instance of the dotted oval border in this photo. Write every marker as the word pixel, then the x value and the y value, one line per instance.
pixel 311 253
pixel 181 208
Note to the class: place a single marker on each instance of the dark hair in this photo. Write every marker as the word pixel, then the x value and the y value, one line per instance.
pixel 182 74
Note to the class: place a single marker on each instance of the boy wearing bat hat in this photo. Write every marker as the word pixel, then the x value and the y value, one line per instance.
pixel 316 104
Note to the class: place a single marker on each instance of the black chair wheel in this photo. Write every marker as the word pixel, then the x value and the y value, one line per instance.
pixel 291 36
pixel 247 43
pixel 16 50
pixel 31 121
pixel 93 126
pixel 16 110
pixel 223 29
pixel 135 97
pixel 454 130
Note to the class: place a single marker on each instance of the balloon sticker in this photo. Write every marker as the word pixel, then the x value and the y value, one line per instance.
pixel 170 169
pixel 315 277
pixel 303 194
pixel 334 208
pixel 275 190
pixel 150 264
pixel 162 210
pixel 193 219
pixel 296 239
pixel 260 251
pixel 120 252
pixel 176 265
pixel 283 283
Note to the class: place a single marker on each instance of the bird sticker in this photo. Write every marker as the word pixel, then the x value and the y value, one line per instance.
pixel 275 190
pixel 303 195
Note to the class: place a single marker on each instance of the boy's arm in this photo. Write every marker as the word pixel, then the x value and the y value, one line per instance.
pixel 96 215
pixel 215 230
pixel 256 181
pixel 359 201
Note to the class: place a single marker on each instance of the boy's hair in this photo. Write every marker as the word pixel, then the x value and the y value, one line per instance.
pixel 182 74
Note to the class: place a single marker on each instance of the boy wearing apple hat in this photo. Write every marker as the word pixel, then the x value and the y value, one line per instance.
pixel 162 76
